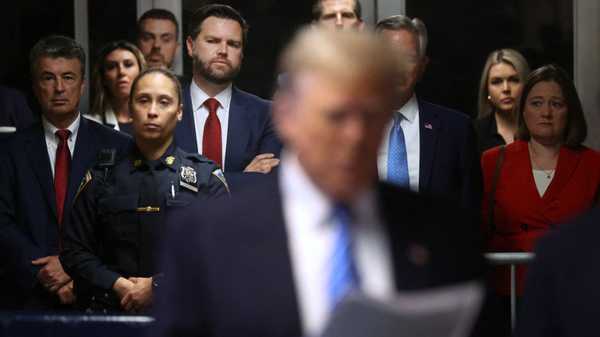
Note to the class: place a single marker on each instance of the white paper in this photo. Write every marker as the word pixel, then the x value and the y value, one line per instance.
pixel 439 312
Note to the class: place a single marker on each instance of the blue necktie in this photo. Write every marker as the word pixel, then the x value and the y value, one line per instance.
pixel 343 276
pixel 397 163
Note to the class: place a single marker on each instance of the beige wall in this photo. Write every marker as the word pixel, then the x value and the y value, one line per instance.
pixel 587 63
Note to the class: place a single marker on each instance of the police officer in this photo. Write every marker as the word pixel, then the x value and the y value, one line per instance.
pixel 110 239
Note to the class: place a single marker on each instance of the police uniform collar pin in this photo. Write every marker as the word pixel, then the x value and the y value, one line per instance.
pixel 188 179
pixel 170 160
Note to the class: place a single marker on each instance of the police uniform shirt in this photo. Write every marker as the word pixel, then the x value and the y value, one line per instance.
pixel 120 209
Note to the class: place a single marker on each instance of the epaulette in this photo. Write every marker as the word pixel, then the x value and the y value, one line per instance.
pixel 197 158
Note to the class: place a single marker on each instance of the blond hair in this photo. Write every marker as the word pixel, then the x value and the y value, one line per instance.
pixel 352 58
pixel 508 56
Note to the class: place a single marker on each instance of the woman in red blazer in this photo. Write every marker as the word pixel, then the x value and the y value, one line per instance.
pixel 546 177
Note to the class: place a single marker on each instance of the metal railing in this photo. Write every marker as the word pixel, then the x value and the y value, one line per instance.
pixel 37 324
pixel 512 260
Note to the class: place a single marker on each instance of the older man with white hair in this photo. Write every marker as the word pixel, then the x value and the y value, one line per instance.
pixel 279 257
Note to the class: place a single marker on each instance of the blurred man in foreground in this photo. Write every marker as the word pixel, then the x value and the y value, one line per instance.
pixel 322 227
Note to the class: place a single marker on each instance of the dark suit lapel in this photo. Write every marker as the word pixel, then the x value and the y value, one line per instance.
pixel 83 157
pixel 428 134
pixel 237 134
pixel 185 132
pixel 37 151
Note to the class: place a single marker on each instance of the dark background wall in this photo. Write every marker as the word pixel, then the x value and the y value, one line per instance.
pixel 461 34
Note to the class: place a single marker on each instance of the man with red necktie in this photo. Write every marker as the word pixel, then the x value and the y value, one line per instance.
pixel 225 124
pixel 41 168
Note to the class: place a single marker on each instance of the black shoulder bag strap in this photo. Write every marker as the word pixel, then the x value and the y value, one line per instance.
pixel 492 195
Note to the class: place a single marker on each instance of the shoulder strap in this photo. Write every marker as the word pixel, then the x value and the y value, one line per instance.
pixel 492 195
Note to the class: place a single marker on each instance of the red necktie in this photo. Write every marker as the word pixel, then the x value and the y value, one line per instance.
pixel 211 140
pixel 61 172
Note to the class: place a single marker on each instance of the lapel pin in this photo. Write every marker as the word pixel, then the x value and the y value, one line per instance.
pixel 418 255
pixel 428 126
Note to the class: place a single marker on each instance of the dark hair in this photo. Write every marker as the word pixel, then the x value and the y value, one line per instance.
pixel 100 102
pixel 317 10
pixel 576 128
pixel 158 14
pixel 167 73
pixel 56 46
pixel 218 11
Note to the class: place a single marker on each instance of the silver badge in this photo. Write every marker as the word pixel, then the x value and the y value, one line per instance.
pixel 188 178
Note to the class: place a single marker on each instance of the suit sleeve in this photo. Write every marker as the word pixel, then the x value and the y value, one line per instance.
pixel 538 314
pixel 12 240
pixel 81 242
pixel 269 142
pixel 180 303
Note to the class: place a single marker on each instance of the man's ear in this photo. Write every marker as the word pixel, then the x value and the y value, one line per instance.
pixel 281 112
pixel 361 26
pixel 190 46
pixel 422 68
pixel 180 113
pixel 82 90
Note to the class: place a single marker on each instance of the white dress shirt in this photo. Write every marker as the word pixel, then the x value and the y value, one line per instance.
pixel 409 122
pixel 542 180
pixel 52 139
pixel 311 236
pixel 200 113
pixel 109 118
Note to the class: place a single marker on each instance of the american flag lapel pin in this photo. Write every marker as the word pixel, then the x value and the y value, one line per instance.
pixel 428 126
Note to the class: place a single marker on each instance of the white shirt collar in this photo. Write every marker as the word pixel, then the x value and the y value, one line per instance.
pixel 409 110
pixel 50 129
pixel 199 96
pixel 298 189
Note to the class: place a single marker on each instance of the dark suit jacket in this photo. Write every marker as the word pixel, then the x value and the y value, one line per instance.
pixel 250 131
pixel 562 290
pixel 521 216
pixel 28 223
pixel 14 110
pixel 449 161
pixel 229 274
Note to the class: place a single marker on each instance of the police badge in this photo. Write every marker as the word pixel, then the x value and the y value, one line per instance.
pixel 188 178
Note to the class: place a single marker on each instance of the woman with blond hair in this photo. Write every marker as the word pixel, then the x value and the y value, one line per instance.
pixel 500 86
